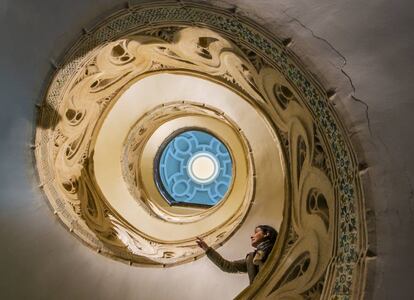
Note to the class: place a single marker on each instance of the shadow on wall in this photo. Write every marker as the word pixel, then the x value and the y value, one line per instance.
pixel 48 116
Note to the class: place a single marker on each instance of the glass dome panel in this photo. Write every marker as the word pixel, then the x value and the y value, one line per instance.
pixel 194 168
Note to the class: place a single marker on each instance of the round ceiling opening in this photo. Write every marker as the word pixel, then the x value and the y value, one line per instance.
pixel 194 168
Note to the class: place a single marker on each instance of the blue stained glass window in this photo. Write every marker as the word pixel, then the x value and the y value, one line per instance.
pixel 194 168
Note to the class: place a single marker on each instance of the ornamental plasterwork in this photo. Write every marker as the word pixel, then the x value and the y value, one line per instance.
pixel 320 252
pixel 140 183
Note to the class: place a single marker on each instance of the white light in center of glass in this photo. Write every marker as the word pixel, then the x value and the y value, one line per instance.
pixel 203 167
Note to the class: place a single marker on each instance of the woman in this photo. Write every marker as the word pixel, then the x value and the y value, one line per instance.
pixel 263 239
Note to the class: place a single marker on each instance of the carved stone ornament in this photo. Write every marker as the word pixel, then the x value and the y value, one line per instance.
pixel 112 104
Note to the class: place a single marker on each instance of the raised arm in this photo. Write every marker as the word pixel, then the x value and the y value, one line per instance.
pixel 238 266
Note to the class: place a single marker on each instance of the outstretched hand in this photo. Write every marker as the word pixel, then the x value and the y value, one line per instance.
pixel 200 242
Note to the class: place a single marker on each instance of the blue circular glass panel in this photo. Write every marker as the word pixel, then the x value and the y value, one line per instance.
pixel 194 168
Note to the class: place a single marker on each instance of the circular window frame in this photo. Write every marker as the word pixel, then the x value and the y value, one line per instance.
pixel 157 175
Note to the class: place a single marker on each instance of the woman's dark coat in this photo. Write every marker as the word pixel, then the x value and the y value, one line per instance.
pixel 237 266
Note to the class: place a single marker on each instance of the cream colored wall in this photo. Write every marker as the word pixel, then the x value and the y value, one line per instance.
pixel 39 259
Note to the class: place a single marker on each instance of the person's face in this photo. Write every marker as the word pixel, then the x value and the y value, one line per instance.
pixel 257 237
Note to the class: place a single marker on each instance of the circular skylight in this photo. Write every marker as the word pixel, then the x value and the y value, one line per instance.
pixel 195 168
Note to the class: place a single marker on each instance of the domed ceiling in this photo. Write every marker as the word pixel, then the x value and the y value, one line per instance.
pixel 169 122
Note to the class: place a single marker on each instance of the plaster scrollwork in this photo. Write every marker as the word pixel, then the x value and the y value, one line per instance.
pixel 90 96
pixel 316 244
pixel 134 148
pixel 309 239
